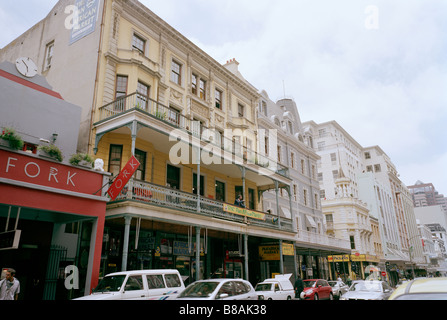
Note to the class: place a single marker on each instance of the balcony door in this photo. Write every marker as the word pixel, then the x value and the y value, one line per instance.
pixel 173 177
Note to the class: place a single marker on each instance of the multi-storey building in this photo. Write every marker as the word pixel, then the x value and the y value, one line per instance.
pixel 147 91
pixel 313 244
pixel 375 181
pixel 425 194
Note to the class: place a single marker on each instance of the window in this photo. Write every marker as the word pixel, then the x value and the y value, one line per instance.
pixel 121 86
pixel 266 146
pixel 143 95
pixel 116 152
pixel 202 89
pixel 295 188
pixel 329 218
pixel 264 108
pixel 290 127
pixel 240 110
pixel 279 153
pixel 155 281
pixel 367 155
pixel 138 43
pixel 220 191
pixel 369 168
pixel 194 84
pixel 176 72
pixel 174 116
pixel 320 176
pixel 351 239
pixel 292 160
pixel 49 55
pixel 333 158
pixel 140 174
pixel 303 166
pixel 305 197
pixel 335 174
pixel 321 145
pixel 172 281
pixel 322 133
pixel 377 168
pixel 218 98
pixel 134 283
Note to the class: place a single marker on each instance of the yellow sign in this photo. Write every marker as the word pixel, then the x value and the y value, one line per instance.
pixel 243 212
pixel 340 258
pixel 271 253
pixel 287 249
pixel 360 257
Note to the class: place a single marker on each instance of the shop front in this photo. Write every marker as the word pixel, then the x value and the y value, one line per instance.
pixel 57 220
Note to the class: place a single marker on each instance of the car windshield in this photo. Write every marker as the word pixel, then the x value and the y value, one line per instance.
pixel 264 287
pixel 199 290
pixel 110 284
pixel 310 283
pixel 366 286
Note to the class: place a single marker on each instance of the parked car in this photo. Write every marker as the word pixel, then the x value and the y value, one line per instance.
pixel 422 289
pixel 316 289
pixel 138 285
pixel 219 289
pixel 338 288
pixel 368 290
pixel 278 288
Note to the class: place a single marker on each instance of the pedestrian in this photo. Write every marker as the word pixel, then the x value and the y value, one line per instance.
pixel 299 287
pixel 239 202
pixel 10 286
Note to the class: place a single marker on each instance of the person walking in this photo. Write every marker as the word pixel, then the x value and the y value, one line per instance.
pixel 299 287
pixel 10 286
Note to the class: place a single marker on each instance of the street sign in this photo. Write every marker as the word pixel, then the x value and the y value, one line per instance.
pixel 383 273
pixel 123 178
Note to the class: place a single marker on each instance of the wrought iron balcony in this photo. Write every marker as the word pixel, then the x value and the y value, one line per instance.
pixel 166 197
pixel 138 103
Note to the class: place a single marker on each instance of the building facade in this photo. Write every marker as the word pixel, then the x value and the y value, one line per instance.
pixel 147 91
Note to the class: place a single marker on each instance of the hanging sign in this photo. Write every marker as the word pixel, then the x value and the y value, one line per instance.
pixel 10 240
pixel 123 178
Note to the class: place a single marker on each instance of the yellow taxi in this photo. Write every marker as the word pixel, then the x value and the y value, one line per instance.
pixel 422 289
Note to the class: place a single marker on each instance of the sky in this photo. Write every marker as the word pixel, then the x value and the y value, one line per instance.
pixel 377 67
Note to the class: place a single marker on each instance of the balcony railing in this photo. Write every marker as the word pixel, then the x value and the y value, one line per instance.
pixel 322 239
pixel 167 197
pixel 137 102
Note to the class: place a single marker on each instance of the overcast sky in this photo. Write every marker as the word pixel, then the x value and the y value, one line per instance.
pixel 377 67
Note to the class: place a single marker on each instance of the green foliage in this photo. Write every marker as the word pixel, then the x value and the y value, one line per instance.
pixel 53 151
pixel 15 140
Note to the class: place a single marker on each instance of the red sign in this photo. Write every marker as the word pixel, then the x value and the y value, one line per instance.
pixel 37 171
pixel 383 273
pixel 123 178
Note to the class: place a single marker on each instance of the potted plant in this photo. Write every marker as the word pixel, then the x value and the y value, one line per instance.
pixel 51 151
pixel 11 139
pixel 81 159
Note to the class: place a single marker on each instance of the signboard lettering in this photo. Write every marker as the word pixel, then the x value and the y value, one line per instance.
pixel 123 178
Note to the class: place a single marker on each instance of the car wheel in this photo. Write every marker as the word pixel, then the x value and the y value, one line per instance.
pixel 331 297
pixel 289 298
pixel 270 299
pixel 316 297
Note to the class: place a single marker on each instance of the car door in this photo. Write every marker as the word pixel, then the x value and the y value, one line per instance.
pixel 323 290
pixel 243 291
pixel 134 288
pixel 156 287
pixel 174 285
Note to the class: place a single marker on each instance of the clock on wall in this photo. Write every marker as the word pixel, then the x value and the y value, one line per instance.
pixel 26 67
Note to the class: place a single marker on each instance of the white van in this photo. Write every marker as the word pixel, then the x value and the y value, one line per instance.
pixel 279 288
pixel 138 285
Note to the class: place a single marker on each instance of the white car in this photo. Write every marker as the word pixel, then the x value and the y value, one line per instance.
pixel 368 290
pixel 138 285
pixel 278 288
pixel 219 289
pixel 338 288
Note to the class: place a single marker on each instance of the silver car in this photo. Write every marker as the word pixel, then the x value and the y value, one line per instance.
pixel 338 288
pixel 368 290
pixel 219 289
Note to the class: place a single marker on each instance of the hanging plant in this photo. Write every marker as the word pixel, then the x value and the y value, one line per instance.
pixel 81 159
